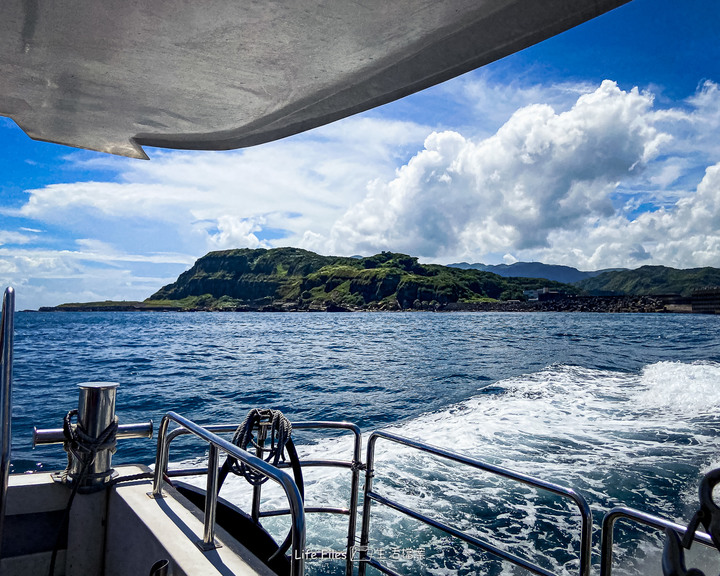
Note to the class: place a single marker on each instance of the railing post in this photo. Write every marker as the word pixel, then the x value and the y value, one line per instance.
pixel 577 499
pixel 211 494
pixel 354 485
pixel 257 488
pixel 365 530
pixel 606 544
pixel 643 518
pixel 161 458
pixel 6 361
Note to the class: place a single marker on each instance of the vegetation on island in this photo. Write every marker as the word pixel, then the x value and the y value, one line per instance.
pixel 295 279
pixel 286 279
pixel 650 281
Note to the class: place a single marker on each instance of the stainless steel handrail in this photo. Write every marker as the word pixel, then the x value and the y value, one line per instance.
pixel 355 467
pixel 639 517
pixel 6 364
pixel 217 443
pixel 577 499
pixel 124 431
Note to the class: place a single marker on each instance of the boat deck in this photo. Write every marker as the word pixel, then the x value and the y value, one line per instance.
pixel 118 532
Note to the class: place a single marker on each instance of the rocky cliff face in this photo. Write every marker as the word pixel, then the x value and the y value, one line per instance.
pixel 294 279
pixel 290 278
pixel 245 274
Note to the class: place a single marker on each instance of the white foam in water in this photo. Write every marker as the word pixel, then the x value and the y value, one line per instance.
pixel 687 389
pixel 642 440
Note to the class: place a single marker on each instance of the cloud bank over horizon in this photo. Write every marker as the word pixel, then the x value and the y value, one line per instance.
pixel 559 187
pixel 586 175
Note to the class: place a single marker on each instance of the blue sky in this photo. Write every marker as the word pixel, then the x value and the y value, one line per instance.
pixel 594 149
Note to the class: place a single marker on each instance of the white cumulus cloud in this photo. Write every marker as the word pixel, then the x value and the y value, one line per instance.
pixel 223 200
pixel 542 171
pixel 233 232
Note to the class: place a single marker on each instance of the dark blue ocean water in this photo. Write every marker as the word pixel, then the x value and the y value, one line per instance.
pixel 624 407
pixel 372 369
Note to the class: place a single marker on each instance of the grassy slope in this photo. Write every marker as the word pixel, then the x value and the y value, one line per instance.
pixel 651 280
pixel 291 278
pixel 305 280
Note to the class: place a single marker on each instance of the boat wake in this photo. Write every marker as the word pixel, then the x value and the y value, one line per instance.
pixel 637 439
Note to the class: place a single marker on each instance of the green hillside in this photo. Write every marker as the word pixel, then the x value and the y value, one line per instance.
pixel 651 280
pixel 295 279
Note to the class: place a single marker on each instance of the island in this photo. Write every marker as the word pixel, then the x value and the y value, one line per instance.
pixel 295 280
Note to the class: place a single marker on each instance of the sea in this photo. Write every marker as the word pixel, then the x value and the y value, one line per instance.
pixel 623 408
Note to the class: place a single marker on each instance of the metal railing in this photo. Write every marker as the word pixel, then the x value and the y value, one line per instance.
pixel 216 444
pixel 638 517
pixel 124 431
pixel 6 362
pixel 370 496
pixel 355 466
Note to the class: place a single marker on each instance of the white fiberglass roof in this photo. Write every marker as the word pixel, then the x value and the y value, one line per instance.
pixel 219 74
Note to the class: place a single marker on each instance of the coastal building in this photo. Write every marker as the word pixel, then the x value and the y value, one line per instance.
pixel 530 295
pixel 546 294
pixel 542 295
pixel 706 300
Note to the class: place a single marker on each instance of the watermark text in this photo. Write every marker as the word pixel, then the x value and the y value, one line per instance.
pixel 362 553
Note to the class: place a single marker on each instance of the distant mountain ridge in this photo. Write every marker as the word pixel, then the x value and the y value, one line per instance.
pixel 554 272
pixel 643 281
pixel 651 281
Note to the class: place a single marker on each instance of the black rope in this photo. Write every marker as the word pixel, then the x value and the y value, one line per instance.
pixel 131 478
pixel 673 559
pixel 280 430
pixel 82 447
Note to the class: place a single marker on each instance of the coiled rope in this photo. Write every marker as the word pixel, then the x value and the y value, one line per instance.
pixel 280 430
pixel 83 447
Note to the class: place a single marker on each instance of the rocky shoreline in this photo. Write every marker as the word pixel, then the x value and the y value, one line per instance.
pixel 608 304
pixel 597 304
pixel 600 304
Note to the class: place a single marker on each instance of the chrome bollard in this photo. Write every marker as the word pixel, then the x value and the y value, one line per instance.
pixel 96 412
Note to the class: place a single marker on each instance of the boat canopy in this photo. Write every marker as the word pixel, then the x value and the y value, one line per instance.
pixel 222 74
